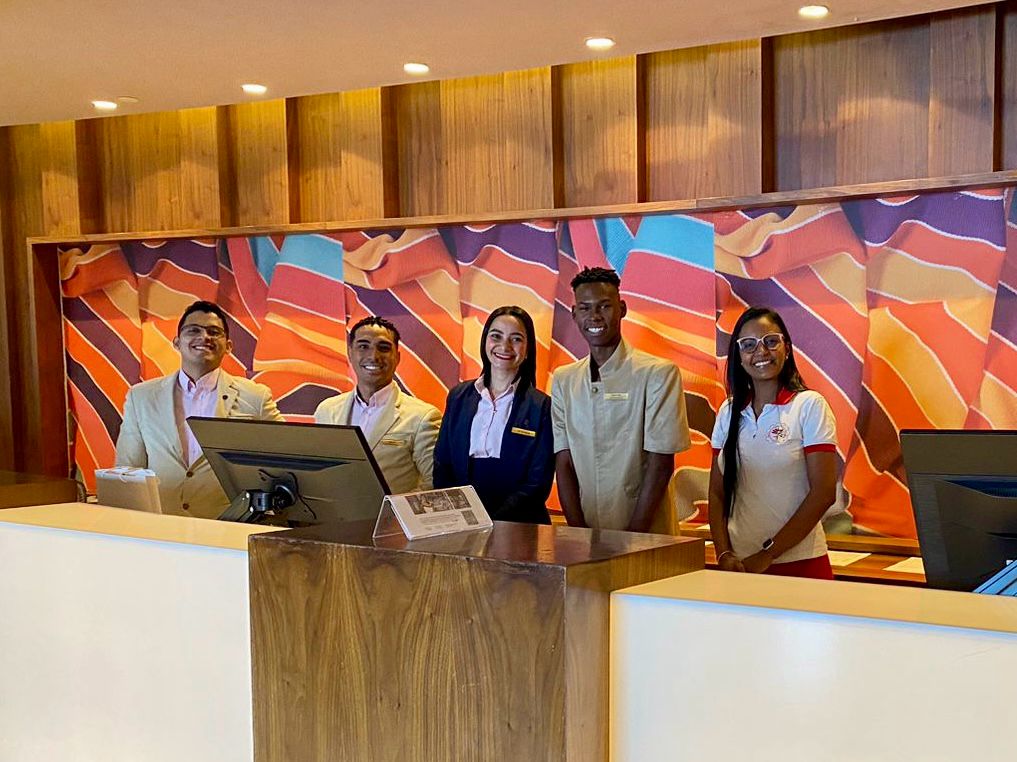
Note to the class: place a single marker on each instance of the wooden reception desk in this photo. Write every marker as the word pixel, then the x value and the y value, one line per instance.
pixel 481 646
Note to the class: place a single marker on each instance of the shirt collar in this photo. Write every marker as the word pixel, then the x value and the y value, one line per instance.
pixel 784 396
pixel 206 383
pixel 615 361
pixel 379 399
pixel 485 394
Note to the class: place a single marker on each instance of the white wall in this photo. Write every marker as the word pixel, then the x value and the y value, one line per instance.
pixel 115 648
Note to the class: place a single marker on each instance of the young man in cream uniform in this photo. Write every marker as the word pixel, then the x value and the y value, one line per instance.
pixel 401 430
pixel 154 433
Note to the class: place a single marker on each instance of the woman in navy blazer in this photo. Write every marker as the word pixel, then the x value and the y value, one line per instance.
pixel 496 432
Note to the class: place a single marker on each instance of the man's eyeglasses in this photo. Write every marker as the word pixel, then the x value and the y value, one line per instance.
pixel 194 331
pixel 748 344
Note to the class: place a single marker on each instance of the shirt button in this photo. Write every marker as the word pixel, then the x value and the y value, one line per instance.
pixel 190 474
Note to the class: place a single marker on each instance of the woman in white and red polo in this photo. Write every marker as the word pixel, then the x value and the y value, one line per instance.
pixel 774 468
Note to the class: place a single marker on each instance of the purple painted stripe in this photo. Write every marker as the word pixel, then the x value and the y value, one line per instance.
pixel 305 400
pixel 185 254
pixel 414 334
pixel 952 213
pixel 782 212
pixel 106 410
pixel 823 346
pixel 1004 315
pixel 564 331
pixel 520 240
pixel 102 336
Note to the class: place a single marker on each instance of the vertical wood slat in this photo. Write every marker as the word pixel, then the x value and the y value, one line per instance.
pixel 159 171
pixel 961 89
pixel 477 144
pixel 600 137
pixel 39 198
pixel 339 148
pixel 703 121
pixel 1007 112
pixel 253 170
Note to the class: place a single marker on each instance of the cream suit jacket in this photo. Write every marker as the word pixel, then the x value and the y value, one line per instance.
pixel 149 439
pixel 402 441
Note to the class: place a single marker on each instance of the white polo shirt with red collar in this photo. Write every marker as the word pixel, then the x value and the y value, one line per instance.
pixel 772 477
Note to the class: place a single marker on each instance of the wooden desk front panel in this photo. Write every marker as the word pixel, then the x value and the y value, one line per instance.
pixel 374 653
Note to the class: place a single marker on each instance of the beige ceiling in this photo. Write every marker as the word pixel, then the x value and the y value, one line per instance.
pixel 58 55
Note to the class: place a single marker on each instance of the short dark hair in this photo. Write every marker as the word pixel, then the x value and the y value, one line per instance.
pixel 374 320
pixel 595 275
pixel 527 374
pixel 210 307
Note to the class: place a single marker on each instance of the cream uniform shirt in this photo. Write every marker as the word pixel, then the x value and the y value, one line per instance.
pixel 636 407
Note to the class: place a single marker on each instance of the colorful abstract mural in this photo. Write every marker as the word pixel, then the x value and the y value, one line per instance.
pixel 903 311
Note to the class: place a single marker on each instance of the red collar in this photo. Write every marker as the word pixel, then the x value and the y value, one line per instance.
pixel 784 396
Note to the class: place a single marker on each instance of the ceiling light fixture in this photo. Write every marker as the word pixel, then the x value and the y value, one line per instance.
pixel 127 99
pixel 417 69
pixel 104 105
pixel 813 12
pixel 254 89
pixel 599 43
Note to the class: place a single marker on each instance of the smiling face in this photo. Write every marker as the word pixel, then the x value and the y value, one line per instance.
pixel 506 344
pixel 598 313
pixel 762 363
pixel 202 344
pixel 374 356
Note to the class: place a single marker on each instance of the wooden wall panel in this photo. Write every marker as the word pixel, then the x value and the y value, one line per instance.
pixel 493 144
pixel 1007 128
pixel 338 156
pixel 961 85
pixel 703 121
pixel 600 129
pixel 39 198
pixel 253 169
pixel 159 171
pixel 852 104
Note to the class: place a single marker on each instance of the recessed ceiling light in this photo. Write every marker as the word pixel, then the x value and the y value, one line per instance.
pixel 416 68
pixel 254 89
pixel 104 105
pixel 127 99
pixel 813 11
pixel 599 43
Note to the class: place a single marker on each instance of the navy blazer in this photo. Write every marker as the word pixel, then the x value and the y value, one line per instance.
pixel 515 486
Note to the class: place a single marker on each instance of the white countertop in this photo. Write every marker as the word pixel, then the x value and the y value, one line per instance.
pixel 100 519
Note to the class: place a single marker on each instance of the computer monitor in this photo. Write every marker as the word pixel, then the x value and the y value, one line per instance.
pixel 291 473
pixel 964 495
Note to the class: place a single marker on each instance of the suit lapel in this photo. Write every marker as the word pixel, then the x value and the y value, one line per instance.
pixel 166 415
pixel 225 394
pixel 387 419
pixel 461 449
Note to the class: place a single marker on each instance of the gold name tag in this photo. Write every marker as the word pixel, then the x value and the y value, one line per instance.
pixel 392 442
pixel 616 396
pixel 523 432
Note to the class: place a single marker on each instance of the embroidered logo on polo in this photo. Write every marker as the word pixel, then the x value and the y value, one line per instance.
pixel 778 433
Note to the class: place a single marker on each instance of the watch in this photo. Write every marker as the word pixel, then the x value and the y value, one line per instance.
pixel 767 543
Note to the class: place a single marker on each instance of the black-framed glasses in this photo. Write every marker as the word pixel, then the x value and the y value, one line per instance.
pixel 193 331
pixel 771 341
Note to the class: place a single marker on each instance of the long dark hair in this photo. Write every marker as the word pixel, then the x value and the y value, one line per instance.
pixel 527 373
pixel 739 386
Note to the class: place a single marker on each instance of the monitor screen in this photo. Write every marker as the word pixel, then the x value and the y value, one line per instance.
pixel 303 473
pixel 964 496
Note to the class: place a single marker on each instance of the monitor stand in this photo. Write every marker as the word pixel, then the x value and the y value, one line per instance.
pixel 256 506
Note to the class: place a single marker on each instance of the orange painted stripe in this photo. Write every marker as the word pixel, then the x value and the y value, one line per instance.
pixel 102 371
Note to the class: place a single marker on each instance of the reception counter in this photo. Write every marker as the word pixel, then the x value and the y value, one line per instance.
pixel 123 636
pixel 714 664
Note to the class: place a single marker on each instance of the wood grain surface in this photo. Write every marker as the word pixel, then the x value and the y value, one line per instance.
pixel 472 647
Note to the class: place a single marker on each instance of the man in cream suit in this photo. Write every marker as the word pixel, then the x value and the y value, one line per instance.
pixel 401 430
pixel 155 434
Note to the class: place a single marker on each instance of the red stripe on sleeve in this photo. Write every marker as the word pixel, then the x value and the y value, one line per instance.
pixel 820 448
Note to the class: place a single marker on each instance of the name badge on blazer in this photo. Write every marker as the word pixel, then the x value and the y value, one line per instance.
pixel 393 442
pixel 616 396
pixel 523 432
